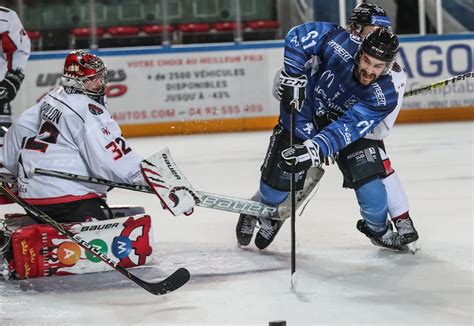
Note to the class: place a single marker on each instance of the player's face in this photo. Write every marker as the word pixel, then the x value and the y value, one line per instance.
pixel 95 83
pixel 369 69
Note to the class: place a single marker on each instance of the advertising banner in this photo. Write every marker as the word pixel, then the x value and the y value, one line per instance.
pixel 210 88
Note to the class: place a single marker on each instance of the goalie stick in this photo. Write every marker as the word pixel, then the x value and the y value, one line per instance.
pixel 208 200
pixel 169 284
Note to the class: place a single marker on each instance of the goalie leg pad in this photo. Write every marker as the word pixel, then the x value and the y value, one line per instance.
pixel 360 162
pixel 39 250
pixel 272 171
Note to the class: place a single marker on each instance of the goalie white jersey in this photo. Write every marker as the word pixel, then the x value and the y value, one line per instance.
pixel 77 135
pixel 15 46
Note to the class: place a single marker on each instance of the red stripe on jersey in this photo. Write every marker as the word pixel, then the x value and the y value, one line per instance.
pixel 59 200
pixel 9 47
pixel 388 167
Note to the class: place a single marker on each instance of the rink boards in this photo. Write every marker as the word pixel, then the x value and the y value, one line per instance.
pixel 228 87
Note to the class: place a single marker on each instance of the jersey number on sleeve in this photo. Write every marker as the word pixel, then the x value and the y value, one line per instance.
pixel 118 147
pixel 48 134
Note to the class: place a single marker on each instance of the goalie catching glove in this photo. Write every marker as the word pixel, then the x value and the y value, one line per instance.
pixel 292 88
pixel 304 155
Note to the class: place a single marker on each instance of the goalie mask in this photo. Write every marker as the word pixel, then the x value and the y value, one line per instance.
pixel 367 14
pixel 85 73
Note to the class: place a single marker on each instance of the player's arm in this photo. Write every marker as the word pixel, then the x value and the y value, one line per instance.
pixel 352 125
pixel 16 43
pixel 106 152
pixel 16 51
pixel 301 44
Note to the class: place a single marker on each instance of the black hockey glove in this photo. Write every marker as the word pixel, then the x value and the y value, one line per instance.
pixel 10 85
pixel 292 88
pixel 304 155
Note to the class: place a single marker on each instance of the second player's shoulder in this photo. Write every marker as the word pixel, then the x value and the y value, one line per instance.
pixel 8 15
pixel 399 77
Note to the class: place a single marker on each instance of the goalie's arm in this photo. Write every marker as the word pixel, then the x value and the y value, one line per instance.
pixel 107 153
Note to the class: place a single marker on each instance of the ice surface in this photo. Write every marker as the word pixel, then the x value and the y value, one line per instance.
pixel 342 278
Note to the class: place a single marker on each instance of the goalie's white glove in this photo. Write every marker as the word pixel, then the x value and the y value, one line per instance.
pixel 304 155
pixel 292 88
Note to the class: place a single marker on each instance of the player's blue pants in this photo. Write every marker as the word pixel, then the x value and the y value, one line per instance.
pixel 372 199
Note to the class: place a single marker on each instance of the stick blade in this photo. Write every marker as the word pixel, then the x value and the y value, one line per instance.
pixel 173 282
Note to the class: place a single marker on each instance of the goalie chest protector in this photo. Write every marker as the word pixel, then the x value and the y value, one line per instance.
pixel 39 250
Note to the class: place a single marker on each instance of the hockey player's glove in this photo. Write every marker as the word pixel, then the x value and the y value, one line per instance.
pixel 304 155
pixel 292 88
pixel 10 85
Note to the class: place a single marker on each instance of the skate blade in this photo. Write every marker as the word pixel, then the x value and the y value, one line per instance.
pixel 412 247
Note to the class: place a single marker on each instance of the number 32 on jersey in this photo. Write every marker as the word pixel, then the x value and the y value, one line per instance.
pixel 118 147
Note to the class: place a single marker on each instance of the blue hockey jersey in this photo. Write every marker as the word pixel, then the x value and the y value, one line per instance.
pixel 332 89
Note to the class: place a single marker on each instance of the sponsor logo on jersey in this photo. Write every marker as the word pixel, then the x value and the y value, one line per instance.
pixel 106 131
pixel 351 101
pixel 94 109
pixel 340 51
pixel 308 128
pixel 379 95
pixel 326 101
pixel 329 77
pixel 355 38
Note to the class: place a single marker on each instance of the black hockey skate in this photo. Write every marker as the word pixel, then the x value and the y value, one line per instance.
pixel 244 229
pixel 406 229
pixel 267 233
pixel 389 239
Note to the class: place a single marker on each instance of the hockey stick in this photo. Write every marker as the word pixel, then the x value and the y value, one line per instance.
pixel 294 106
pixel 208 200
pixel 441 83
pixel 169 284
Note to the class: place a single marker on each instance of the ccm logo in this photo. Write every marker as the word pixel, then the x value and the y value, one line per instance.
pixel 293 82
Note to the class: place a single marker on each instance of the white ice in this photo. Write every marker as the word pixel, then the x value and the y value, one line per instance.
pixel 342 277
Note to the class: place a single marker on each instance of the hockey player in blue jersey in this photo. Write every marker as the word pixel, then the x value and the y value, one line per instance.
pixel 350 90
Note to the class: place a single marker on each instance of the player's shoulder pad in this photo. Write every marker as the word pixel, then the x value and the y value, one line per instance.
pixel 399 79
pixel 85 106
pixel 320 28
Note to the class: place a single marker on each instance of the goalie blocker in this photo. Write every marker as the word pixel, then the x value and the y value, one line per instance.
pixel 39 250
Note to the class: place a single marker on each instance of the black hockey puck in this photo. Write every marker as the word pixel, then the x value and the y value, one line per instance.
pixel 277 323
